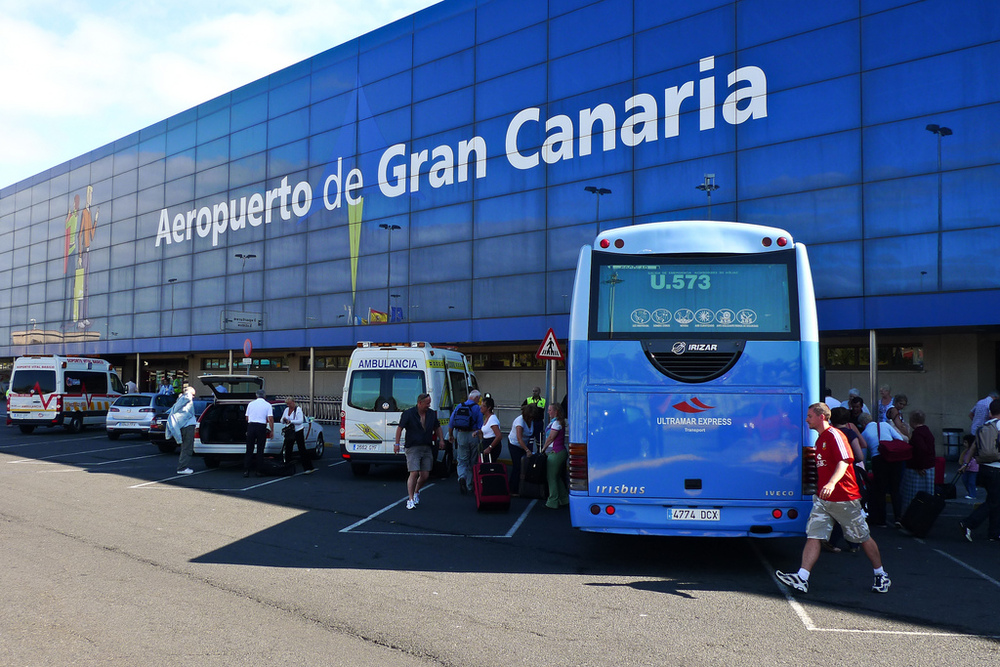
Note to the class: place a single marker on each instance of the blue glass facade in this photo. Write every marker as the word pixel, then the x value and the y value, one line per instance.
pixel 432 173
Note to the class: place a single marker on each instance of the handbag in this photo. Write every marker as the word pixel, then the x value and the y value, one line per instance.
pixel 533 468
pixel 894 451
pixel 288 432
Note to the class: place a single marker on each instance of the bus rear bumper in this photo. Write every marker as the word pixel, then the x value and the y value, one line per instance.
pixel 629 516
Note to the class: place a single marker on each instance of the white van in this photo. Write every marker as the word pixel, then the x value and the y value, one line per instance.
pixel 383 379
pixel 49 390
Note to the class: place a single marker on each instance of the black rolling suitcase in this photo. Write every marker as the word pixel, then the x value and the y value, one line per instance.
pixel 533 483
pixel 919 517
pixel 489 482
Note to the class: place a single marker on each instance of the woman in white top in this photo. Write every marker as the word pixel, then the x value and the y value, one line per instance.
pixel 492 440
pixel 292 416
pixel 520 444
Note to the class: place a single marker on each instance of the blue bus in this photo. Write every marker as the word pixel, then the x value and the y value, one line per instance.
pixel 693 356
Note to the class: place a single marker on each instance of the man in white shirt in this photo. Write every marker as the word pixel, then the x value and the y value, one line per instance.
pixel 131 387
pixel 988 456
pixel 980 412
pixel 260 426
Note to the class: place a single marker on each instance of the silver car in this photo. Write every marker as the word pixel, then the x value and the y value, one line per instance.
pixel 133 413
pixel 222 428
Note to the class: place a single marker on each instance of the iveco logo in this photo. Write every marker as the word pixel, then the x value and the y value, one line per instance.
pixel 680 347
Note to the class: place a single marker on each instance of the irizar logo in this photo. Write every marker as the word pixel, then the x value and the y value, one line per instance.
pixel 680 347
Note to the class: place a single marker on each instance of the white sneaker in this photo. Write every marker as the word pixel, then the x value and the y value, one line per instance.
pixel 186 471
pixel 410 505
pixel 416 498
pixel 792 580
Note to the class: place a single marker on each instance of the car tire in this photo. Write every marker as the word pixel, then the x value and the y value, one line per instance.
pixel 113 435
pixel 168 447
pixel 317 452
pixel 360 469
pixel 211 462
pixel 75 424
pixel 27 430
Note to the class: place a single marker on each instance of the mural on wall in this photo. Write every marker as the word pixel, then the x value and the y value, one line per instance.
pixel 81 227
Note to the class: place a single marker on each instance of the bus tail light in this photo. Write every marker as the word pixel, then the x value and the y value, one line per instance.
pixel 577 466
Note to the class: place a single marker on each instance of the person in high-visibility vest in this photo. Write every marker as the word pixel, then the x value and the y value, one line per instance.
pixel 537 401
pixel 178 385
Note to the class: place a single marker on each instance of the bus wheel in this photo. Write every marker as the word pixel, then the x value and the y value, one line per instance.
pixel 75 424
pixel 27 430
pixel 360 469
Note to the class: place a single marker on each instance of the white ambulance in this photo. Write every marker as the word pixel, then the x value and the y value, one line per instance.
pixel 383 379
pixel 50 390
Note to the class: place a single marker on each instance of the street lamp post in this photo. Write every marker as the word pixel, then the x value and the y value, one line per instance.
pixel 940 131
pixel 171 281
pixel 243 280
pixel 388 277
pixel 708 187
pixel 594 190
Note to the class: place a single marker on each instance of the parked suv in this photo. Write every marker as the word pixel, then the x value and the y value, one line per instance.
pixel 222 429
pixel 133 413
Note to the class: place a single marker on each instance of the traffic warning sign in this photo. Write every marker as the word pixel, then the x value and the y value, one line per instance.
pixel 549 349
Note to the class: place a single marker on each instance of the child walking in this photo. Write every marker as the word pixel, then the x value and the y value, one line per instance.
pixel 969 467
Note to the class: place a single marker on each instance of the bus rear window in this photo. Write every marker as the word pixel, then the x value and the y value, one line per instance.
pixel 385 390
pixel 24 382
pixel 739 297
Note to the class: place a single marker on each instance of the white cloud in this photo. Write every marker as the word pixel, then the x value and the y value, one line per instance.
pixel 78 75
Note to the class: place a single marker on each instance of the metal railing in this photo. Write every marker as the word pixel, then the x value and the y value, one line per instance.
pixel 325 409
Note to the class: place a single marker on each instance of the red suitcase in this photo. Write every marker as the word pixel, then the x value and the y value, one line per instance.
pixel 489 483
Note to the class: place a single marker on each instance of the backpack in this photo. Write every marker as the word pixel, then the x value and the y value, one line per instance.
pixel 463 419
pixel 987 450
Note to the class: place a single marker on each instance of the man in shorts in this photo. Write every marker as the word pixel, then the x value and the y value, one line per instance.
pixel 422 428
pixel 838 500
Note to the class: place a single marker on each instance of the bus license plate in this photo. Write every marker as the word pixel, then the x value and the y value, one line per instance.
pixel 685 514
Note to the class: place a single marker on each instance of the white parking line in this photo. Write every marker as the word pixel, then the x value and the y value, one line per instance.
pixel 970 568
pixel 807 621
pixel 89 451
pixel 167 479
pixel 510 533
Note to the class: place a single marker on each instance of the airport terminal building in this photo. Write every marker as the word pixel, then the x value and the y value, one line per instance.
pixel 434 180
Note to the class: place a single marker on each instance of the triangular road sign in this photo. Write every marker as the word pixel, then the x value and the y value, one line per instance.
pixel 549 349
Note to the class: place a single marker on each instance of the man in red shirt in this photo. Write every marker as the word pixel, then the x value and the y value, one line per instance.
pixel 838 501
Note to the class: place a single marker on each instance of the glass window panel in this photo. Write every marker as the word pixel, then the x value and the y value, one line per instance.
pixel 927 28
pixel 605 65
pixel 211 181
pixel 440 301
pixel 181 138
pixel 125 184
pixel 559 291
pixel 442 76
pixel 386 59
pixel 810 217
pixel 563 246
pixel 249 112
pixel 181 164
pixel 249 170
pixel 326 148
pixel 287 159
pixel 122 209
pixel 971 198
pixel 101 169
pixel 823 162
pixel 207 292
pixel 930 86
pixel 441 38
pixel 531 253
pixel 335 112
pixel 426 265
pixel 153 149
pixel 837 269
pixel 901 264
pixel 387 94
pixel 288 97
pixel 327 277
pixel 213 126
pixel 768 20
pixel 440 225
pixel 902 206
pixel 287 312
pixel 576 31
pixel 965 265
pixel 509 297
pixel 126 159
pixel 180 191
pixel 212 154
pixel 519 212
pixel 510 53
pixel 147 299
pixel 337 79
pixel 249 141
pixel 504 16
pixel 686 42
pixel 511 93
pixel 288 128
pixel 150 199
pixel 152 174
pixel 672 187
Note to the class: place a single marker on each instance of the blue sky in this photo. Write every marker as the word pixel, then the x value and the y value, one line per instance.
pixel 78 74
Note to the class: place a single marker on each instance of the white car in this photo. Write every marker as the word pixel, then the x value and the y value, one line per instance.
pixel 133 413
pixel 222 429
